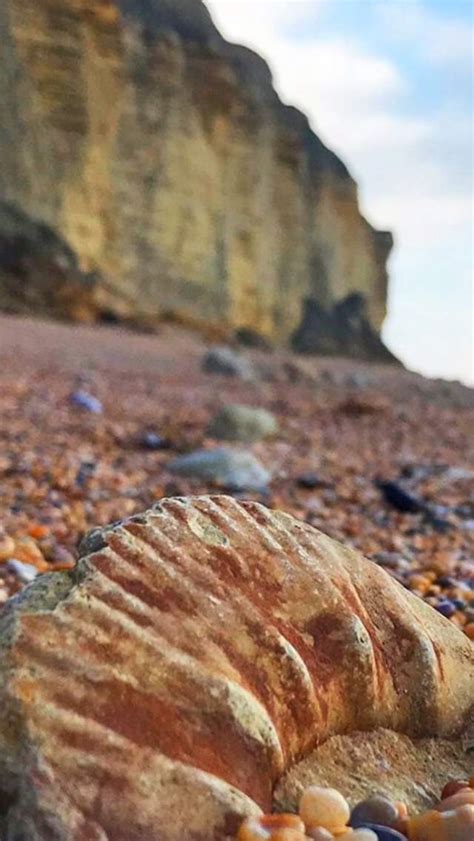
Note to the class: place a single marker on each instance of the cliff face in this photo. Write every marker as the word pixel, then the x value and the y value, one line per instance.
pixel 163 158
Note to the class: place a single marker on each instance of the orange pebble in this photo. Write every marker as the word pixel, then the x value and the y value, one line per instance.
pixel 419 582
pixel 7 547
pixel 319 834
pixel 401 809
pixel 453 787
pixel 401 824
pixel 455 825
pixel 469 630
pixel 426 827
pixel 37 531
pixel 267 827
pixel 28 552
pixel 465 797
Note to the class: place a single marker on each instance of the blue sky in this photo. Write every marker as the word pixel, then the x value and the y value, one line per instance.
pixel 388 84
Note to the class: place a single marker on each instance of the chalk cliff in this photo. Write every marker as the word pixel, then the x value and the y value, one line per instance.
pixel 161 157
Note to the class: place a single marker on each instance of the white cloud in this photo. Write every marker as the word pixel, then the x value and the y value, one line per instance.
pixel 447 41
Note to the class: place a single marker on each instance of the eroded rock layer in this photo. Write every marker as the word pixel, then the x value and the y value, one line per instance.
pixel 164 159
pixel 160 691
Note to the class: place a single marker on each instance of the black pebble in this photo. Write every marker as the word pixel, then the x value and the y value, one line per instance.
pixel 400 499
pixel 309 481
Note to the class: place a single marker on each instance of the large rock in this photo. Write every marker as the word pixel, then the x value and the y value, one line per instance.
pixel 40 273
pixel 161 690
pixel 342 329
pixel 242 423
pixel 164 158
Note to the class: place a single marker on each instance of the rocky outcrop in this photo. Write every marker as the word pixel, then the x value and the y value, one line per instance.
pixel 343 329
pixel 161 690
pixel 162 156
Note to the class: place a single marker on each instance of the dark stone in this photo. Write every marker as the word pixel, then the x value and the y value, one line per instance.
pixel 39 272
pixel 93 541
pixel 251 339
pixel 309 481
pixel 376 810
pixel 343 330
pixel 401 499
pixel 446 608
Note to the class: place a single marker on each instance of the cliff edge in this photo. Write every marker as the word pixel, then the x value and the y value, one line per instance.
pixel 160 156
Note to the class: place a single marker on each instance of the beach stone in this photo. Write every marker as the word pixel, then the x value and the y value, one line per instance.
pixel 227 468
pixel 326 807
pixel 376 809
pixel 84 400
pixel 228 363
pixel 242 423
pixel 26 573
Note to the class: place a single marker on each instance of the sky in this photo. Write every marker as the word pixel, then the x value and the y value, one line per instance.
pixel 388 85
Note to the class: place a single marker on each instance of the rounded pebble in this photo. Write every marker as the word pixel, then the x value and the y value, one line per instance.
pixel 469 630
pixel 453 787
pixel 461 798
pixel 271 827
pixel 324 807
pixel 446 608
pixel 457 825
pixel 319 834
pixel 377 809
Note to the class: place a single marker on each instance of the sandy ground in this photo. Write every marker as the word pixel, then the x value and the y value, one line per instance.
pixel 64 470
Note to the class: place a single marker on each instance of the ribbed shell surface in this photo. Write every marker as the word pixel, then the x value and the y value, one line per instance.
pixel 160 692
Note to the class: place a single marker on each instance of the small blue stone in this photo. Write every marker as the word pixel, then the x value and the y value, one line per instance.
pixel 446 608
pixel 152 441
pixel 384 833
pixel 86 401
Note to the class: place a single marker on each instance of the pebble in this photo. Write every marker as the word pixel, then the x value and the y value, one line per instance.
pixel 227 362
pixel 278 827
pixel 453 787
pixel 324 807
pixel 26 573
pixel 446 608
pixel 230 469
pixel 309 481
pixel 399 498
pixel 460 798
pixel 456 825
pixel 7 547
pixel 324 814
pixel 319 834
pixel 242 423
pixel 86 401
pixel 153 441
pixel 377 810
